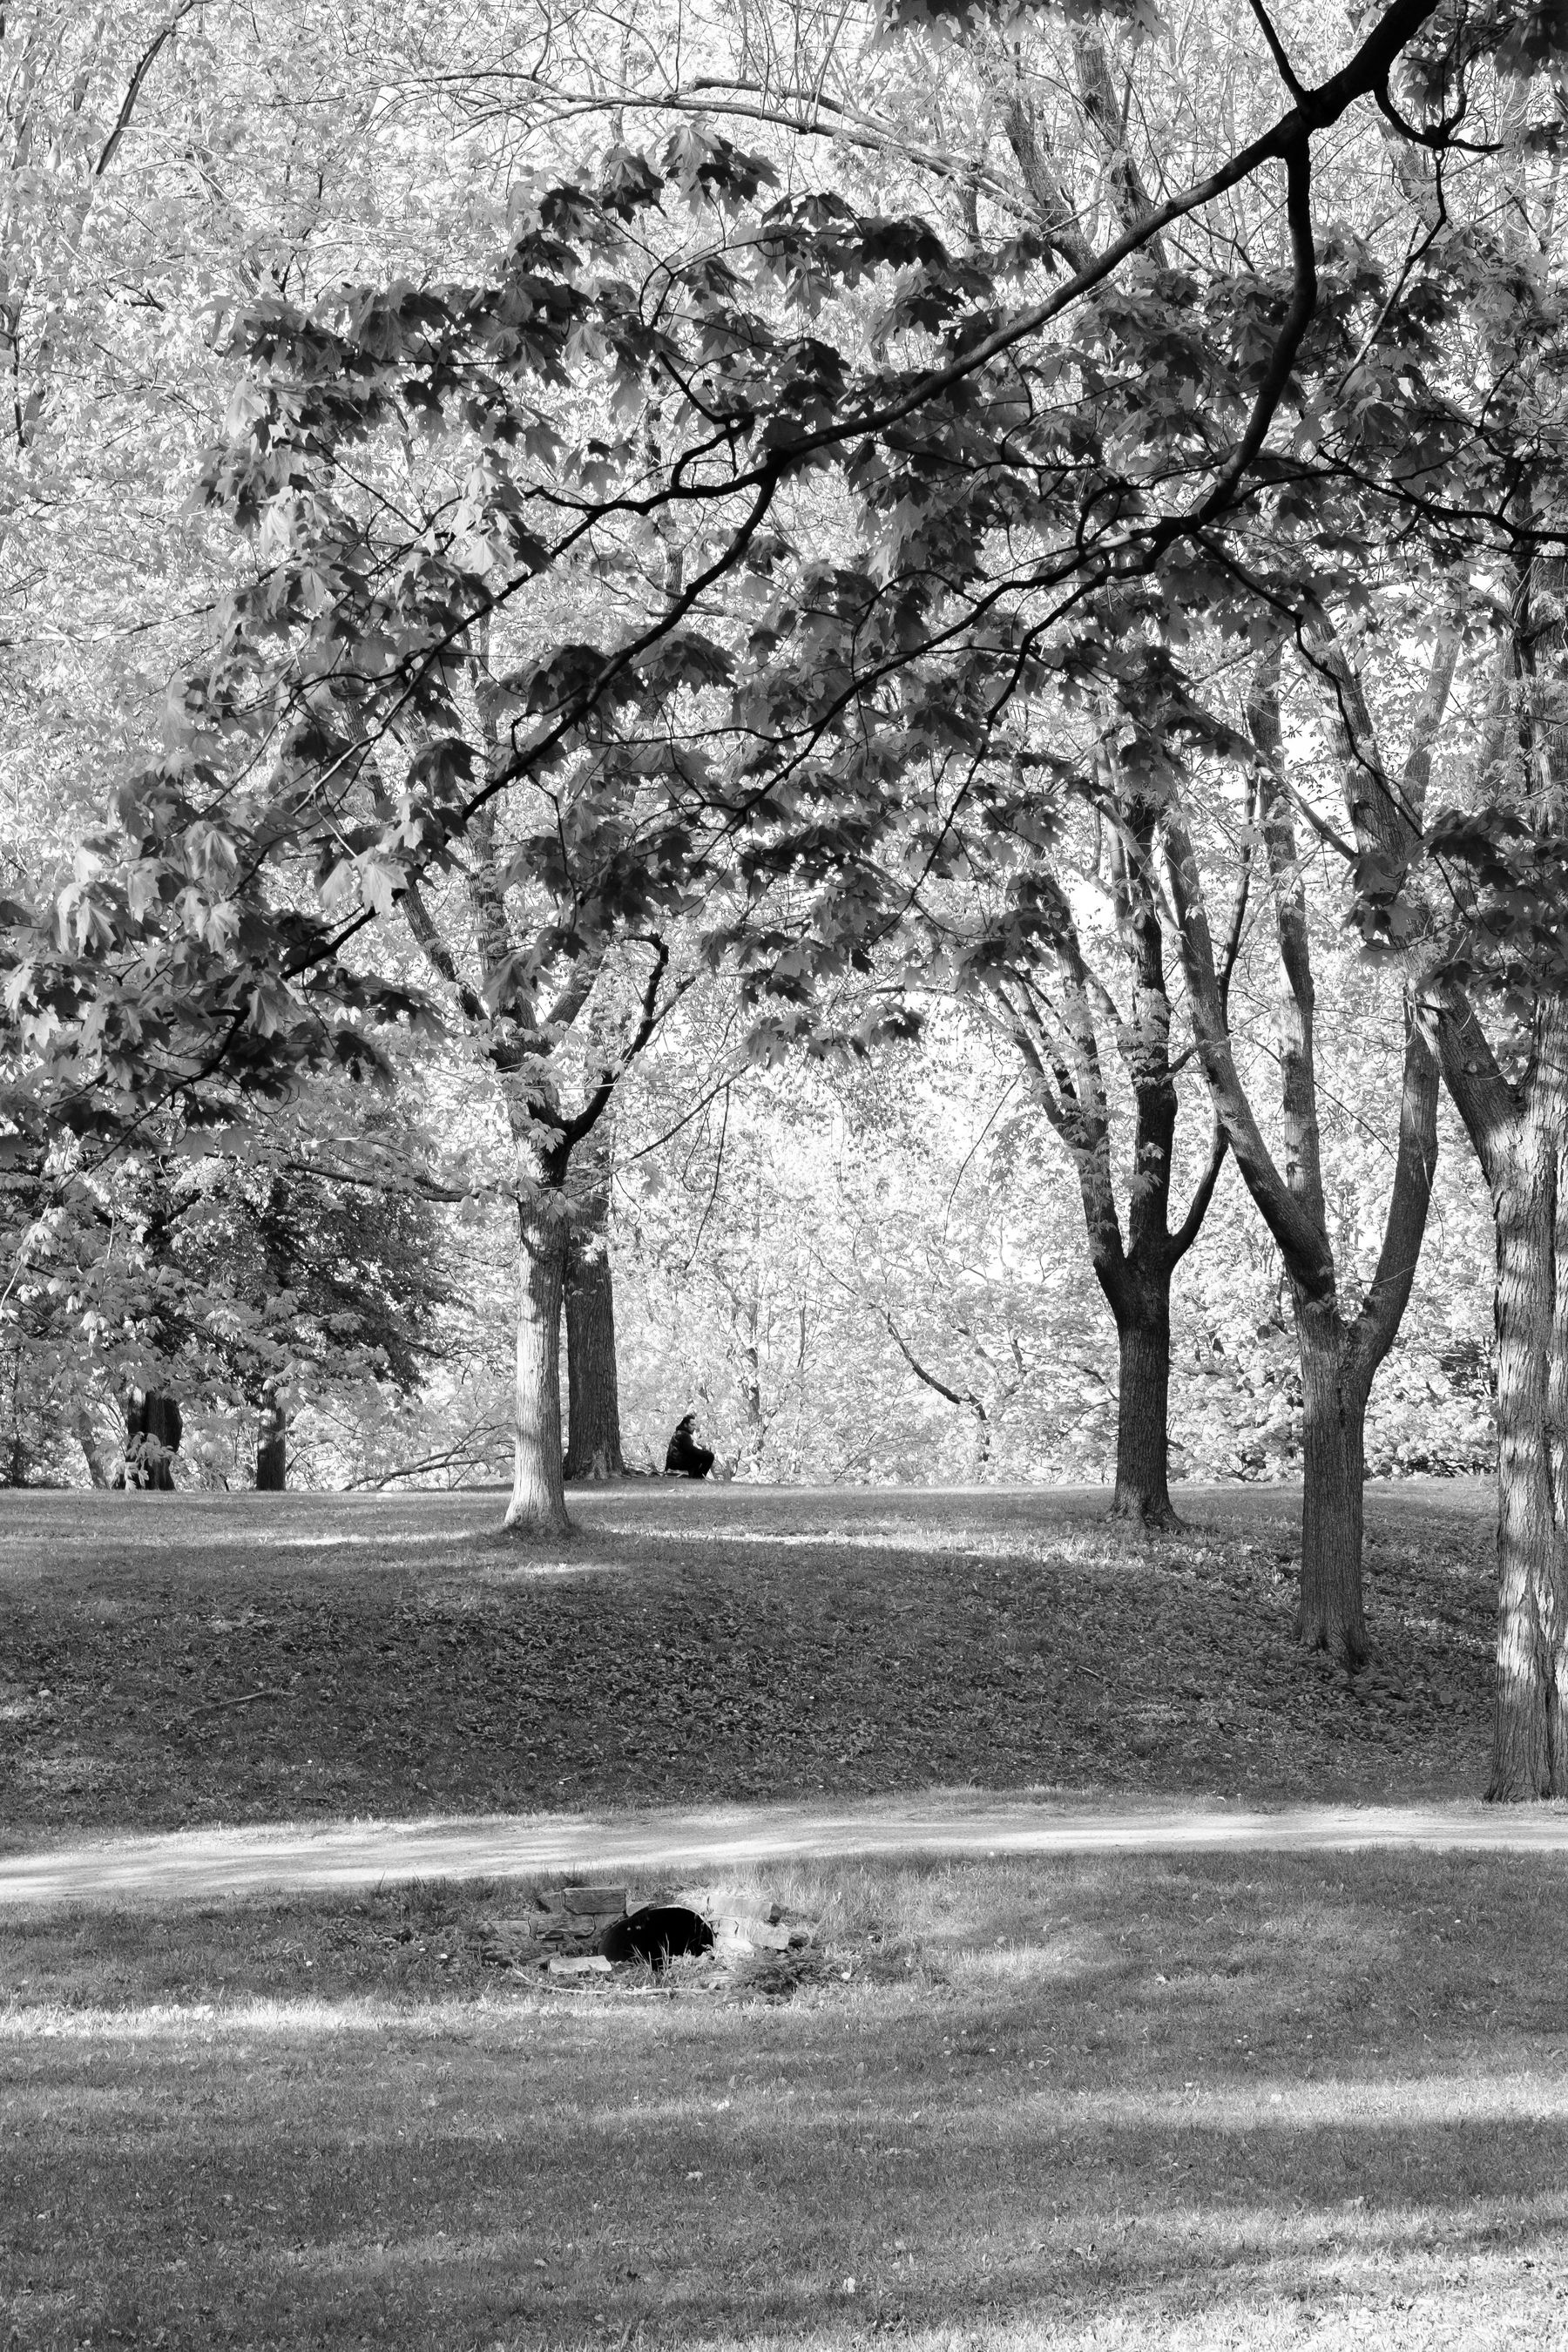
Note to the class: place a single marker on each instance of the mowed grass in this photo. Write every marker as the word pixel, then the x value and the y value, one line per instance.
pixel 1301 2101
pixel 173 1659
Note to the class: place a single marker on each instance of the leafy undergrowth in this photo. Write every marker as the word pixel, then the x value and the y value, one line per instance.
pixel 1106 2103
pixel 179 1660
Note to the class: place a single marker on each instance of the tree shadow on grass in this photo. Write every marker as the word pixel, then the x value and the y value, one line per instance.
pixel 698 2220
pixel 715 1655
pixel 1116 2094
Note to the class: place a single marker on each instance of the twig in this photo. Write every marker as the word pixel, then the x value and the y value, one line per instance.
pixel 217 1706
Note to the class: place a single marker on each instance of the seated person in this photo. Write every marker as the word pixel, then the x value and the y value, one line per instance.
pixel 684 1458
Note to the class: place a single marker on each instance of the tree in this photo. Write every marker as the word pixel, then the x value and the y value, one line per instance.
pixel 1340 1353
pixel 299 1263
pixel 560 1180
pixel 1012 941
pixel 1469 468
pixel 1499 990
pixel 329 1276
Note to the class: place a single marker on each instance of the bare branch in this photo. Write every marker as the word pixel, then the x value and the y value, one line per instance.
pixel 143 68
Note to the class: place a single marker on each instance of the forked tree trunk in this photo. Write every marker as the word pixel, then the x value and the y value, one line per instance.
pixel 1333 1392
pixel 1134 1272
pixel 272 1447
pixel 1529 1714
pixel 538 1504
pixel 593 1393
pixel 1142 1412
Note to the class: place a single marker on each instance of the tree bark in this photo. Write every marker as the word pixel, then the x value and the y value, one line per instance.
pixel 592 1392
pixel 593 1404
pixel 538 1504
pixel 272 1447
pixel 92 1454
pixel 1527 1181
pixel 1530 1715
pixel 750 1385
pixel 1334 1387
pixel 1521 1137
pixel 1142 1466
pixel 152 1432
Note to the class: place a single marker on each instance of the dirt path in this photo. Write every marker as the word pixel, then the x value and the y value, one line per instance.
pixel 202 1864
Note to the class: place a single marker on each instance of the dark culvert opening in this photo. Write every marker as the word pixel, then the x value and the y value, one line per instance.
pixel 659 1932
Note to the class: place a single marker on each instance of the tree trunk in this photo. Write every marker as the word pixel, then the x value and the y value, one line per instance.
pixel 272 1447
pixel 751 1386
pixel 1142 1412
pixel 87 1438
pixel 592 1394
pixel 1520 1136
pixel 1530 1715
pixel 538 1504
pixel 1334 1392
pixel 153 1428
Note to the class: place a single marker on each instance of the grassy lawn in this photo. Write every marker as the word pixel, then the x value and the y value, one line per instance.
pixel 175 1660
pixel 1278 2101
pixel 1110 2104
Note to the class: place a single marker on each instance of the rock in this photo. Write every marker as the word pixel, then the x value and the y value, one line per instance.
pixel 736 1932
pixel 713 1901
pixel 587 1902
pixel 577 1939
pixel 503 1943
pixel 594 1965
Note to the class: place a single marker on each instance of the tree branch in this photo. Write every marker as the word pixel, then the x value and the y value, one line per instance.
pixel 1297 1073
pixel 1191 1225
pixel 1488 1107
pixel 143 68
pixel 1405 1226
pixel 573 1130
pixel 437 955
pixel 1304 1245
pixel 954 1396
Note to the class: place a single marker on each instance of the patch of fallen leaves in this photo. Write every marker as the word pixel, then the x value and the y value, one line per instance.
pixel 690 1647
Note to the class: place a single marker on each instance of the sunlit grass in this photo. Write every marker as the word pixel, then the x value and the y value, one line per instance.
pixel 526 1571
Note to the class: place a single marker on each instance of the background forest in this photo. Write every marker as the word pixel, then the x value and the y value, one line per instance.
pixel 865 1260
